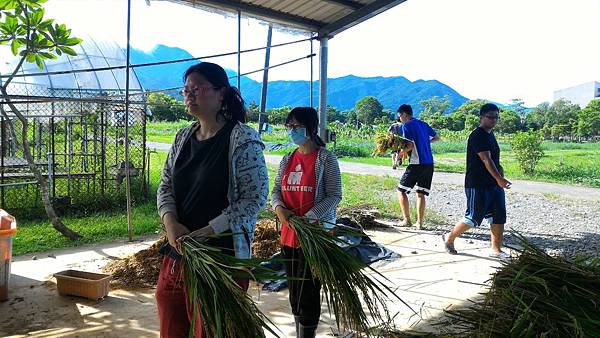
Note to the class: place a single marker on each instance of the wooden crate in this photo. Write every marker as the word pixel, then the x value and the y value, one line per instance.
pixel 84 284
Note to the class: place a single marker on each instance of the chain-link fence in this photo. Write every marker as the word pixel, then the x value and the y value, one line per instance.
pixel 77 138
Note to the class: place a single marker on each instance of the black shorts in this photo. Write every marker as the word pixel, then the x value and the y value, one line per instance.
pixel 419 175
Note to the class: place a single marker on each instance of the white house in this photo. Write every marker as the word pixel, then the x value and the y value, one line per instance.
pixel 581 94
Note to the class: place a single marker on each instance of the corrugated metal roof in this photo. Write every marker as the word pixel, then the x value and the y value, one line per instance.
pixel 325 17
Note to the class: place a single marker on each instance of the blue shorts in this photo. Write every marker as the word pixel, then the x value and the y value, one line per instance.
pixel 488 203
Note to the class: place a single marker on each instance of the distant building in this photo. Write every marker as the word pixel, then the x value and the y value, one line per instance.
pixel 581 94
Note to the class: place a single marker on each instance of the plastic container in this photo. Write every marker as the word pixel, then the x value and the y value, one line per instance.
pixel 8 227
pixel 83 284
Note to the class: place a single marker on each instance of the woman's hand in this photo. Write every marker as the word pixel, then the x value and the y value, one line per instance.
pixel 283 214
pixel 175 231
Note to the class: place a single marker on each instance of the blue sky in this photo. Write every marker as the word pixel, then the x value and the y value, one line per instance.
pixel 490 49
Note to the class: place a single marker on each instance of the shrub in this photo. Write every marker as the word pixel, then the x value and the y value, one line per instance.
pixel 527 147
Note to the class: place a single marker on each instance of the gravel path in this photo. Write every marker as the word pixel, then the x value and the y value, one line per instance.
pixel 558 224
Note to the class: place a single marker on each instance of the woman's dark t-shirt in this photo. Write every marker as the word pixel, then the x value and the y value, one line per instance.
pixel 201 182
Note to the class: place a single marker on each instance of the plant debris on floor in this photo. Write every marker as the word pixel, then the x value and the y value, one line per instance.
pixel 139 270
pixel 537 295
pixel 363 215
pixel 266 239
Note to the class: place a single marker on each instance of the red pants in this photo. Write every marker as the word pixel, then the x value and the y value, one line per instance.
pixel 174 311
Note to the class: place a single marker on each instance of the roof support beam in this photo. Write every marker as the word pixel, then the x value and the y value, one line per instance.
pixel 346 3
pixel 364 13
pixel 261 12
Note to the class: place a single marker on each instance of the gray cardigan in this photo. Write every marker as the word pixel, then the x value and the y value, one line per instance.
pixel 329 187
pixel 247 191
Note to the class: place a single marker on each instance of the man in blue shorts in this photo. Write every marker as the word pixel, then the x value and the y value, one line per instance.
pixel 484 184
pixel 419 171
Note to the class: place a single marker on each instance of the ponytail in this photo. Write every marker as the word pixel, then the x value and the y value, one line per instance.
pixel 232 107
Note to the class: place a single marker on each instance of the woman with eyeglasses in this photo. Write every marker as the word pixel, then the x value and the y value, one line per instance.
pixel 308 184
pixel 214 181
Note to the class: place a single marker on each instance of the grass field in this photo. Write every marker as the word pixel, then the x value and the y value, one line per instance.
pixel 565 162
pixel 38 235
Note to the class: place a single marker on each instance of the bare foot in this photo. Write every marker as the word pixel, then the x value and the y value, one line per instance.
pixel 419 225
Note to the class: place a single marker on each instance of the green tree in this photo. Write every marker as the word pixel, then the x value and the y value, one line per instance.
pixel 510 121
pixel 537 118
pixel 253 110
pixel 435 104
pixel 564 113
pixel 166 108
pixel 368 109
pixel 33 39
pixel 278 115
pixel 335 115
pixel 588 120
pixel 518 106
pixel 471 122
pixel 352 119
pixel 466 116
pixel 434 110
pixel 527 146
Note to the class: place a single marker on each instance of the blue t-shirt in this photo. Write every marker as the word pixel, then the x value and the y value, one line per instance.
pixel 420 133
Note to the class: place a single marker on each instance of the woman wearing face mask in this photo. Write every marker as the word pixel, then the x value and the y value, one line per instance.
pixel 214 182
pixel 308 184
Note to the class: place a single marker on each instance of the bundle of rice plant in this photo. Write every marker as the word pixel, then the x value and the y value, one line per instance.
pixel 389 142
pixel 537 295
pixel 342 276
pixel 226 310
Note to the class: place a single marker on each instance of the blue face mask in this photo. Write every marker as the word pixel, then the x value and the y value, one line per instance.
pixel 298 136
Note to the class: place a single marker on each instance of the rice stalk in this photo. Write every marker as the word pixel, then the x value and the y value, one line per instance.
pixel 388 141
pixel 537 295
pixel 226 310
pixel 342 276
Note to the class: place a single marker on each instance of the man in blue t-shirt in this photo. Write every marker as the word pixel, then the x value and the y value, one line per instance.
pixel 484 184
pixel 420 163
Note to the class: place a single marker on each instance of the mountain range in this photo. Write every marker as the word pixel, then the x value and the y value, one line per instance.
pixel 343 92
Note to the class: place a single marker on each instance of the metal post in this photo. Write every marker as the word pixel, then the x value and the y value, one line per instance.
pixel 323 86
pixel 127 163
pixel 265 81
pixel 311 73
pixel 239 54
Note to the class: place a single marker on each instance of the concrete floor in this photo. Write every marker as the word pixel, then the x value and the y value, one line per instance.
pixel 427 278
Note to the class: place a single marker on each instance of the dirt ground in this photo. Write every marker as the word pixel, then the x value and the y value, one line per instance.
pixel 425 276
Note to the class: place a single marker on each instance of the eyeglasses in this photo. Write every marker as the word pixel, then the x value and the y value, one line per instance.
pixel 492 117
pixel 291 127
pixel 201 90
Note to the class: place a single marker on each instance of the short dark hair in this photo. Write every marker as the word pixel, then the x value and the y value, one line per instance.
pixel 405 108
pixel 233 103
pixel 309 117
pixel 488 107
